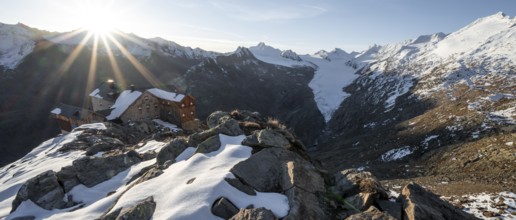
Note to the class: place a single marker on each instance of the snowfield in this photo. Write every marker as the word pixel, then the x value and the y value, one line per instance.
pixel 186 190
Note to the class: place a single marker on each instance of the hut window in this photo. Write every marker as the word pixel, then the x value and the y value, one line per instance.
pixel 191 113
pixel 169 113
pixel 184 115
pixel 183 105
pixel 148 106
pixel 139 108
pixel 146 98
pixel 191 103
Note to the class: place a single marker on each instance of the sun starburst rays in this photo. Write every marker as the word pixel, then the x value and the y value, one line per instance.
pixel 103 44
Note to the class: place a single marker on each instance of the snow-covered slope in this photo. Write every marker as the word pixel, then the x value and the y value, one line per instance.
pixel 16 42
pixel 44 157
pixel 334 71
pixel 186 189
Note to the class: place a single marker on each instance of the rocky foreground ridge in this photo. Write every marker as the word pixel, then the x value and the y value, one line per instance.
pixel 240 166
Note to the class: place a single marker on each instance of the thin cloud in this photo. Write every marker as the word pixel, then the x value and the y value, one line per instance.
pixel 268 12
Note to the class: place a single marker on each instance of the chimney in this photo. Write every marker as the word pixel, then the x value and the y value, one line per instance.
pixel 132 87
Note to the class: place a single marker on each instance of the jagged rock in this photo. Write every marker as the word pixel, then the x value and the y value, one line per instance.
pixel 351 181
pixel 150 174
pixel 224 208
pixel 68 177
pixel 209 145
pixel 171 151
pixel 371 214
pixel 229 127
pixel 393 208
pixel 279 170
pixel 197 138
pixel 44 190
pixel 245 115
pixel 241 186
pixel 361 201
pixel 141 211
pixel 421 204
pixel 213 118
pixel 94 170
pixel 266 138
pixel 254 214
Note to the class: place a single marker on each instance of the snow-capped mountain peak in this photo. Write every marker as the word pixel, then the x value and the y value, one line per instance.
pixel 16 42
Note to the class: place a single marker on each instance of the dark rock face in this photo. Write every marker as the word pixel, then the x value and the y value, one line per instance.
pixel 224 208
pixel 254 214
pixel 240 186
pixel 44 190
pixel 351 181
pixel 209 145
pixel 141 211
pixel 267 138
pixel 94 170
pixel 171 151
pixel 421 204
pixel 279 170
pixel 371 214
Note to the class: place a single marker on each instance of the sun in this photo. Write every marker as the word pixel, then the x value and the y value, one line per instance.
pixel 97 18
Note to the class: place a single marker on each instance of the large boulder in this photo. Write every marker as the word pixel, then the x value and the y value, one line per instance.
pixel 371 214
pixel 421 204
pixel 227 126
pixel 209 145
pixel 68 178
pixel 267 138
pixel 351 181
pixel 279 170
pixel 213 118
pixel 94 170
pixel 171 151
pixel 254 214
pixel 224 208
pixel 141 211
pixel 44 190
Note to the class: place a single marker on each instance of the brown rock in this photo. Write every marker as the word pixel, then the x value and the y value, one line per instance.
pixel 421 204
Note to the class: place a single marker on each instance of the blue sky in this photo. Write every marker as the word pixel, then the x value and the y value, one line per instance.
pixel 305 26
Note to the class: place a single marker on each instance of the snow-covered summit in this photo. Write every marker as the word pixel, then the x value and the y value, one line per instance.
pixel 16 42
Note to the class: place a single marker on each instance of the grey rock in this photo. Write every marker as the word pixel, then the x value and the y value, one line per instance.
pixel 171 151
pixel 68 177
pixel 254 214
pixel 94 170
pixel 141 211
pixel 213 118
pixel 209 145
pixel 229 127
pixel 267 138
pixel 241 186
pixel 279 170
pixel 224 208
pixel 197 138
pixel 351 181
pixel 371 214
pixel 361 201
pixel 44 190
pixel 421 204
pixel 393 208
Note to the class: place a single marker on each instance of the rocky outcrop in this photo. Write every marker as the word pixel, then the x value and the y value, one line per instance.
pixel 224 208
pixel 421 204
pixel 93 170
pixel 171 151
pixel 141 211
pixel 44 190
pixel 371 214
pixel 254 214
